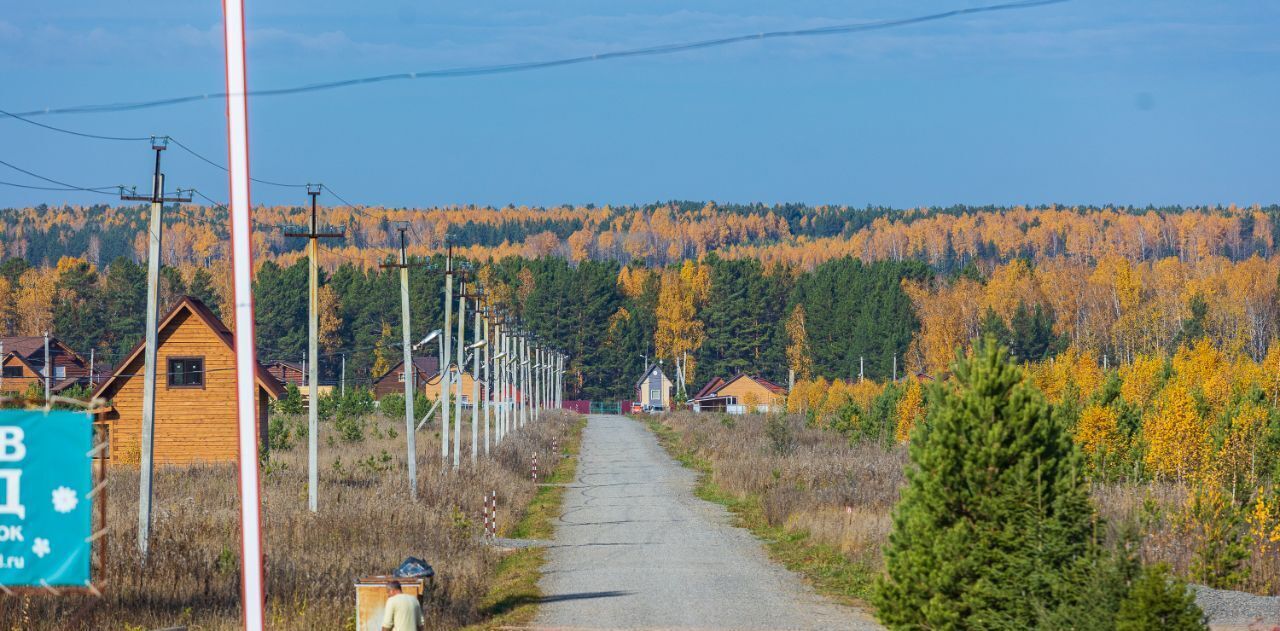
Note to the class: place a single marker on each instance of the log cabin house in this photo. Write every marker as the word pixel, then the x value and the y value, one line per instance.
pixel 740 394
pixel 287 372
pixel 426 380
pixel 195 393
pixel 22 364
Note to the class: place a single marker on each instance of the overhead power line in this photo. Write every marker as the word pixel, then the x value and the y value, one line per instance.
pixel 471 71
pixel 73 132
pixel 101 190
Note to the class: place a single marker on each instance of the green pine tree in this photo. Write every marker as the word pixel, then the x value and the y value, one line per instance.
pixel 996 511
pixel 1158 603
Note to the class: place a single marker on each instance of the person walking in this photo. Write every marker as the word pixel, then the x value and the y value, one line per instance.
pixel 402 611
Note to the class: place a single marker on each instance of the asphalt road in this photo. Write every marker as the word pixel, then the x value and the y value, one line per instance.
pixel 635 549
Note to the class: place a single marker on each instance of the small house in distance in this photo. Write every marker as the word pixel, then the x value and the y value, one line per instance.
pixel 195 393
pixel 653 391
pixel 426 380
pixel 740 394
pixel 22 358
pixel 287 372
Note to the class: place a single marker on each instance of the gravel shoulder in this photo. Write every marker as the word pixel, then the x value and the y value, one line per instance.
pixel 1231 611
pixel 635 549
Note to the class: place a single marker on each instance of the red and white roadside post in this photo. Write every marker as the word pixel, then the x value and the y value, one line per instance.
pixel 252 575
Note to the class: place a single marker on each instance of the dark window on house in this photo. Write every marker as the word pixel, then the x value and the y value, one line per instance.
pixel 186 372
pixel 13 371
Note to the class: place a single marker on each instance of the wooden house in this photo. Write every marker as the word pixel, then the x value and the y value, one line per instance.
pixel 287 372
pixel 22 359
pixel 740 394
pixel 195 393
pixel 426 380
pixel 653 391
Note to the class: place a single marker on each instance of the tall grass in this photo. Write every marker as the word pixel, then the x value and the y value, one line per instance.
pixel 818 485
pixel 366 525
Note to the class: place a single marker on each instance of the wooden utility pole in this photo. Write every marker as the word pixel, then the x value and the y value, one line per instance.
pixel 409 372
pixel 313 236
pixel 146 455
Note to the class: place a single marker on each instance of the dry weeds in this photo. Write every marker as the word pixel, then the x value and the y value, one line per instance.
pixel 813 481
pixel 366 525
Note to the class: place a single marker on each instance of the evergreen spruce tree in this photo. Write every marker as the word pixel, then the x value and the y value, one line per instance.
pixel 1157 602
pixel 996 510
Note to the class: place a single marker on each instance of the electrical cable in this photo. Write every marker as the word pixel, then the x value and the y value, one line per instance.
pixel 73 132
pixel 97 190
pixel 471 71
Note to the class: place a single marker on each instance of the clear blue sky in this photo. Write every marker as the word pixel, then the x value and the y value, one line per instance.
pixel 1136 102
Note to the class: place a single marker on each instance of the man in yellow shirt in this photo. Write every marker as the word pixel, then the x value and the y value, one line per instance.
pixel 402 611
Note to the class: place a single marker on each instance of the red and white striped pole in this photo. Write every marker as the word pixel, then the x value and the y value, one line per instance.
pixel 535 468
pixel 493 515
pixel 251 589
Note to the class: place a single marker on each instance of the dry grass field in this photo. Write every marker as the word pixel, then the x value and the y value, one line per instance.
pixel 823 505
pixel 366 525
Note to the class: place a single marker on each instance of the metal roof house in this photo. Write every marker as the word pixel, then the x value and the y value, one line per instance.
pixel 653 390
pixel 740 394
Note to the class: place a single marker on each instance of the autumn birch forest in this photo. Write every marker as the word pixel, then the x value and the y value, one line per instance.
pixel 1153 329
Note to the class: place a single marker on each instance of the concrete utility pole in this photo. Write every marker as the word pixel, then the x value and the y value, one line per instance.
pixel 154 231
pixel 525 391
pixel 444 363
pixel 342 378
pixel 409 372
pixel 499 356
pixel 502 369
pixel 313 236
pixel 462 361
pixel 475 385
pixel 488 377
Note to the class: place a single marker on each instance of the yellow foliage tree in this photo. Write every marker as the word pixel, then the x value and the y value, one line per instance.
pixel 799 357
pixel 382 352
pixel 1178 441
pixel 1097 430
pixel 330 307
pixel 910 410
pixel 1140 379
pixel 679 331
pixel 1202 366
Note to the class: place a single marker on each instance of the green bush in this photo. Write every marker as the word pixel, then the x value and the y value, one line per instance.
pixel 350 428
pixel 1158 602
pixel 392 405
pixel 279 434
pixel 291 402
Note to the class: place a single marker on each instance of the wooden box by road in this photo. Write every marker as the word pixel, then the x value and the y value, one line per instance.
pixel 371 597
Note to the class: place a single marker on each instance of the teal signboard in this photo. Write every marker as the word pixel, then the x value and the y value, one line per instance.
pixel 46 474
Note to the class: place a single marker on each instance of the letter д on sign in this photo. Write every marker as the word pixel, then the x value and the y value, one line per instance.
pixel 46 514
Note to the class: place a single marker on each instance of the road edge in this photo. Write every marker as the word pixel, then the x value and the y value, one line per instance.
pixel 821 566
pixel 512 602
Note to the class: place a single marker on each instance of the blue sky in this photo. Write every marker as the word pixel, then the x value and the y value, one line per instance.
pixel 1137 102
